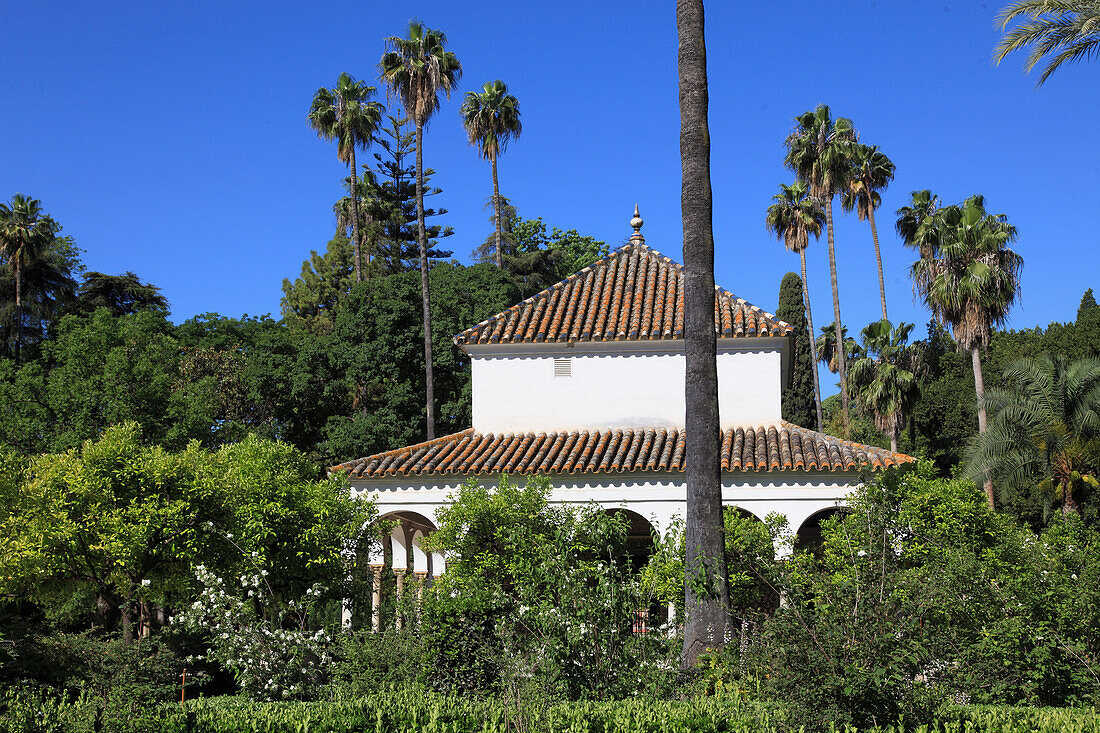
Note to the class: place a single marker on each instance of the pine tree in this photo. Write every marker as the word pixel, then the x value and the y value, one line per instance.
pixel 395 171
pixel 798 398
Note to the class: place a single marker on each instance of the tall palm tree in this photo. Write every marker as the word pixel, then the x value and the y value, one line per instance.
pixel 916 224
pixel 347 115
pixel 1045 429
pixel 793 217
pixel 819 152
pixel 871 172
pixel 706 602
pixel 491 119
pixel 1057 31
pixel 416 69
pixel 971 282
pixel 25 232
pixel 884 378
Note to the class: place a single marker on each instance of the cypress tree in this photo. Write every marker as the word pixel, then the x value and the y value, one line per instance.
pixel 798 398
pixel 1088 308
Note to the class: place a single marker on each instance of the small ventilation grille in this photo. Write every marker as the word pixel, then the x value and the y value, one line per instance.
pixel 563 366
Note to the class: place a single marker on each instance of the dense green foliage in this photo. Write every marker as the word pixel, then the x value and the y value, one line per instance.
pixel 920 594
pixel 111 532
pixel 537 598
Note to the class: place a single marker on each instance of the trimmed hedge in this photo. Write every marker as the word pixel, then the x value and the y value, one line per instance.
pixel 407 710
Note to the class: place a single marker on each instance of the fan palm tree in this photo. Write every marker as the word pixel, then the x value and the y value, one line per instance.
pixel 347 115
pixel 1056 31
pixel 707 601
pixel 871 172
pixel 1045 429
pixel 916 224
pixel 971 282
pixel 884 378
pixel 416 69
pixel 793 217
pixel 491 119
pixel 819 151
pixel 25 233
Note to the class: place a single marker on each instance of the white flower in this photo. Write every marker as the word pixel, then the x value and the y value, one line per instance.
pixel 145 582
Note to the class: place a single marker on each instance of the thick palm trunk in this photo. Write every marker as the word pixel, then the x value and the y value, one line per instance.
pixel 356 241
pixel 894 440
pixel 841 360
pixel 813 341
pixel 1069 503
pixel 496 210
pixel 18 306
pixel 707 601
pixel 878 259
pixel 979 390
pixel 423 238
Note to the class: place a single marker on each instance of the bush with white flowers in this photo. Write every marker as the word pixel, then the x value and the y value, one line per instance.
pixel 268 646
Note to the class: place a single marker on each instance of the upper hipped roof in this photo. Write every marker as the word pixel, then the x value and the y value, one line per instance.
pixel 635 293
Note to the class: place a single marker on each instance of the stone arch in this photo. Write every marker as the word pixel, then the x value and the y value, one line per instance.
pixel 641 542
pixel 407 564
pixel 808 536
pixel 641 539
pixel 747 561
pixel 420 559
pixel 400 551
pixel 747 513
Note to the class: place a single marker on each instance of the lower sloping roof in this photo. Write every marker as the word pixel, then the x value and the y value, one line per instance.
pixel 779 447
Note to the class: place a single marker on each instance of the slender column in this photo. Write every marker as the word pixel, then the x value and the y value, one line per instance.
pixel 376 600
pixel 400 573
pixel 439 564
pixel 421 581
pixel 672 619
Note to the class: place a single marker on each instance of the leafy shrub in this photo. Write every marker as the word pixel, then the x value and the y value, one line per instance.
pixel 270 647
pixel 120 677
pixel 921 594
pixel 365 662
pixel 462 649
pixel 537 600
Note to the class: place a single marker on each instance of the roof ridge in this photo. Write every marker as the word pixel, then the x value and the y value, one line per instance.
pixel 537 296
pixel 660 289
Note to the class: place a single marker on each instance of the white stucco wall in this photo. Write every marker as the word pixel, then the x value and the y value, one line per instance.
pixel 617 385
pixel 657 497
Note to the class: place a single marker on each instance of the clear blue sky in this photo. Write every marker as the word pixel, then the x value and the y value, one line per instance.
pixel 170 138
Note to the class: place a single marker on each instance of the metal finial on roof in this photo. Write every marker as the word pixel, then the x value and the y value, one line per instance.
pixel 636 222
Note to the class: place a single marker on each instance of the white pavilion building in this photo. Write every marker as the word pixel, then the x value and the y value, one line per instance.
pixel 584 384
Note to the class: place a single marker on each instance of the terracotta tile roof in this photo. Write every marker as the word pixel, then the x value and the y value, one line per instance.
pixel 635 293
pixel 782 447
